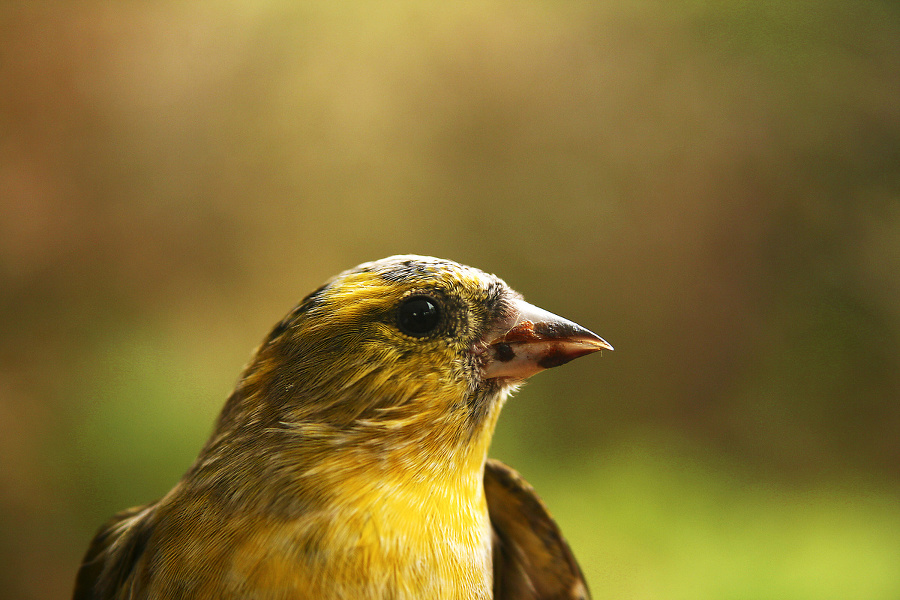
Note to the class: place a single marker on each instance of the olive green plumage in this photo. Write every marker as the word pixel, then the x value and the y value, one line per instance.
pixel 350 461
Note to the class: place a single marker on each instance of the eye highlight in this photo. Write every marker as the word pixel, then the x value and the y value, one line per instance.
pixel 418 315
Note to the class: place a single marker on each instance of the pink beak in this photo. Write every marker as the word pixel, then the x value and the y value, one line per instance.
pixel 538 340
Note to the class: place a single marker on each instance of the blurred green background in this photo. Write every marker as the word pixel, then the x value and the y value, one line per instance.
pixel 714 187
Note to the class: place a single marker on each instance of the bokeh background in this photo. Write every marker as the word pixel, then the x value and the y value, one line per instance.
pixel 712 186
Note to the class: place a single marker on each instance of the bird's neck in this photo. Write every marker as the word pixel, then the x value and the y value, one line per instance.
pixel 401 457
pixel 404 500
pixel 431 471
pixel 426 528
pixel 412 516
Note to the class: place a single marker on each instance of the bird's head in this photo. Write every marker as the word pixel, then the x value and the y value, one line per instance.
pixel 408 347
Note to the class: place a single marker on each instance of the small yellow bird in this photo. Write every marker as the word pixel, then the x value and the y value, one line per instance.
pixel 350 462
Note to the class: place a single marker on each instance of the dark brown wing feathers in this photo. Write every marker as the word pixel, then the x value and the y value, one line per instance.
pixel 103 573
pixel 532 561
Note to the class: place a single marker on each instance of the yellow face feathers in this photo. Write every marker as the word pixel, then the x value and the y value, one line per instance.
pixel 389 334
pixel 411 340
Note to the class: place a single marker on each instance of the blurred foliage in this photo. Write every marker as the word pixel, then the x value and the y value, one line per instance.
pixel 712 186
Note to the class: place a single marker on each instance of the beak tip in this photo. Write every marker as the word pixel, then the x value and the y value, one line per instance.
pixel 603 344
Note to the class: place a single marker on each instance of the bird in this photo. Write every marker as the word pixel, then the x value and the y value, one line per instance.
pixel 350 461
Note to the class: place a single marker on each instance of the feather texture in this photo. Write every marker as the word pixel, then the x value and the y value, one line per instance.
pixel 351 459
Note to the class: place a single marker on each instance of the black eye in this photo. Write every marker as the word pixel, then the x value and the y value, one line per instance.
pixel 418 315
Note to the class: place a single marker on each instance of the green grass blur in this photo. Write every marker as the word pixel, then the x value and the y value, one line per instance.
pixel 714 187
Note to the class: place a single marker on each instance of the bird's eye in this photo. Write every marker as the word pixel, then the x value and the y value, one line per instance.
pixel 418 315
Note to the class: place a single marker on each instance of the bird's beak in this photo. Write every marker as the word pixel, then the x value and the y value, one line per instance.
pixel 533 340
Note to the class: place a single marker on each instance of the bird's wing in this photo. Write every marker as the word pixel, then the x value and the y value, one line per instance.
pixel 532 561
pixel 103 571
